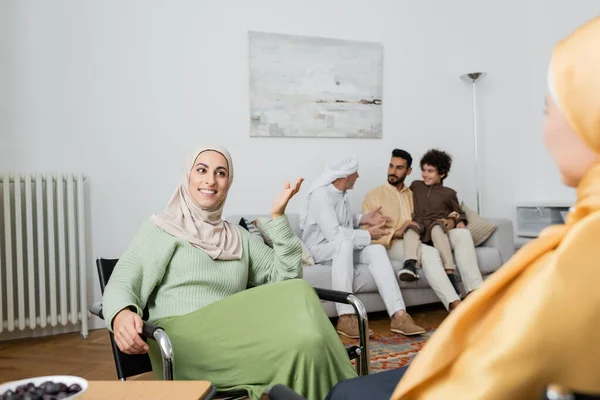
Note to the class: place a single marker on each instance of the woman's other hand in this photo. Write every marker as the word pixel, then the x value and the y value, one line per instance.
pixel 127 327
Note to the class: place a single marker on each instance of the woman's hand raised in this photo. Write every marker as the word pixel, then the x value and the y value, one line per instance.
pixel 284 197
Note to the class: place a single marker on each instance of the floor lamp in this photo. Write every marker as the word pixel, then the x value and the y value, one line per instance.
pixel 473 78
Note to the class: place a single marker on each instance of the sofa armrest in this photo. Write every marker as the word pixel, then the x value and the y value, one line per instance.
pixel 502 239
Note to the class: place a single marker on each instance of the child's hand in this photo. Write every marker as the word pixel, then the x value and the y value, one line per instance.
pixel 413 223
pixel 449 223
pixel 399 233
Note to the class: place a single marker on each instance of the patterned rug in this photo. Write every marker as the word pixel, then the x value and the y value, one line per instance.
pixel 391 352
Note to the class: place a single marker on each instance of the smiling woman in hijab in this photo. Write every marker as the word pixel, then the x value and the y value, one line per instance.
pixel 192 270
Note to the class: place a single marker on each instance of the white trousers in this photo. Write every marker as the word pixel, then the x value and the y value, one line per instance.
pixel 465 257
pixel 461 242
pixel 432 268
pixel 344 255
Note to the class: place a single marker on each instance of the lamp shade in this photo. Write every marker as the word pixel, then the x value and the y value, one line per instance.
pixel 473 77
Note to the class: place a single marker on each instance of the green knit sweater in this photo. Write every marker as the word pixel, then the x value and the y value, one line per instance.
pixel 172 277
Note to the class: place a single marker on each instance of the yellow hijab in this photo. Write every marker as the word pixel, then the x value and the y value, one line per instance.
pixel 536 321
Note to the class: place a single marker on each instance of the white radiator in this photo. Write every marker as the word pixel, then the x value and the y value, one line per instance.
pixel 43 280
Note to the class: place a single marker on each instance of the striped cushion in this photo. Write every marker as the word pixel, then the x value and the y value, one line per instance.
pixel 251 227
pixel 480 228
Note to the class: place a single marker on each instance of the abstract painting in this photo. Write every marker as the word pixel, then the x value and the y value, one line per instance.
pixel 304 86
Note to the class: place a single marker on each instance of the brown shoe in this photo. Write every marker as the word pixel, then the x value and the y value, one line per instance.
pixel 453 305
pixel 348 326
pixel 404 324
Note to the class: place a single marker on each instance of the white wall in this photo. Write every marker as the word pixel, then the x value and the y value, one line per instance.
pixel 123 90
pixel 551 22
pixel 7 84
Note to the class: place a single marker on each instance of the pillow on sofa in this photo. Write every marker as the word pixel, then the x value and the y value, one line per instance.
pixel 480 228
pixel 250 226
pixel 307 258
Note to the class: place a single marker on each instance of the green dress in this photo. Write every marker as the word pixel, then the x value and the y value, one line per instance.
pixel 275 333
pixel 221 331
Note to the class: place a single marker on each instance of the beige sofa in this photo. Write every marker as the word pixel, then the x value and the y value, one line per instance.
pixel 491 255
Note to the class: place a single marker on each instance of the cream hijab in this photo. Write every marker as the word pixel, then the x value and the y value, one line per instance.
pixel 203 228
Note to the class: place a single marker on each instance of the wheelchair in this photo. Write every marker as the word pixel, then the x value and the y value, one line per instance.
pixel 128 365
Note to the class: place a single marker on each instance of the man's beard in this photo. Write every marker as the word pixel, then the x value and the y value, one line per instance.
pixel 397 182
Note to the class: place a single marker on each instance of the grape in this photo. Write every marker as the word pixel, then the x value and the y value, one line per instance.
pixel 74 388
pixel 8 395
pixel 46 391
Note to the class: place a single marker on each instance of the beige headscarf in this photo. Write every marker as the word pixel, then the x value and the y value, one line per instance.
pixel 203 228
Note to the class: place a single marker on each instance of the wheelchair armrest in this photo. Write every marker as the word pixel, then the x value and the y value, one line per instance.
pixel 166 348
pixel 333 295
pixel 96 309
pixel 150 331
pixel 346 298
pixel 336 296
pixel 148 328
pixel 280 392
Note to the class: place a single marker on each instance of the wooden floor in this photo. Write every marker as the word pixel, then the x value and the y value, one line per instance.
pixel 92 358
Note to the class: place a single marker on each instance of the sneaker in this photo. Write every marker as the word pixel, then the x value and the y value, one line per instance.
pixel 408 273
pixel 405 325
pixel 347 325
pixel 454 281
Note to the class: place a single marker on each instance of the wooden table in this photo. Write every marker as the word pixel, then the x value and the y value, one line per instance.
pixel 146 390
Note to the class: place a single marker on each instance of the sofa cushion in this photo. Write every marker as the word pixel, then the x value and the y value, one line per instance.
pixel 318 275
pixel 480 228
pixel 251 227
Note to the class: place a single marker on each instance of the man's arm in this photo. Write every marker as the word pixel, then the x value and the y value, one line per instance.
pixel 321 210
pixel 356 218
pixel 370 204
